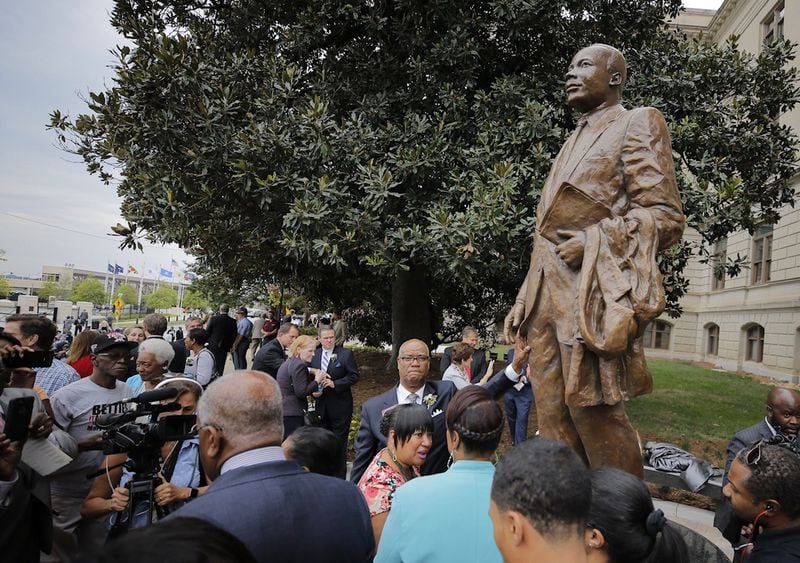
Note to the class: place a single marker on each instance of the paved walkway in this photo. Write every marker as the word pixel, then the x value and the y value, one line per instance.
pixel 697 519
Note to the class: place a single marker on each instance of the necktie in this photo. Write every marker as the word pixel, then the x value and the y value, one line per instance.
pixel 412 398
pixel 326 357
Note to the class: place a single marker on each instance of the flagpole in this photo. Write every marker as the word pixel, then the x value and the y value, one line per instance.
pixel 105 283
pixel 141 283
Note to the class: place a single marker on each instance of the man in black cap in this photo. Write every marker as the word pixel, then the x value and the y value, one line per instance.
pixel 75 408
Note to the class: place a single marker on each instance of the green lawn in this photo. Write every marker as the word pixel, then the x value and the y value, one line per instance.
pixel 696 408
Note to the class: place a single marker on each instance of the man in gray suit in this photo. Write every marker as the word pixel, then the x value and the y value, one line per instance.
pixel 782 418
pixel 277 509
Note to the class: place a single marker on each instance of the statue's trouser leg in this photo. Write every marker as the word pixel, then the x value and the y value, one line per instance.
pixel 545 367
pixel 602 435
pixel 608 438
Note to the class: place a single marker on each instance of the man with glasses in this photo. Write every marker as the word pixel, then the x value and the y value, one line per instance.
pixel 38 333
pixel 413 365
pixel 75 408
pixel 764 490
pixel 782 419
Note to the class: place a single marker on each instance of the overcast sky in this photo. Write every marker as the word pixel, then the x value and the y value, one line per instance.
pixel 53 211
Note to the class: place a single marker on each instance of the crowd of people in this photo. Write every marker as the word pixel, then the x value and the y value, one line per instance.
pixel 262 475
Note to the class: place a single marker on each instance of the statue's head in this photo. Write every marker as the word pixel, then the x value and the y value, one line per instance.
pixel 595 77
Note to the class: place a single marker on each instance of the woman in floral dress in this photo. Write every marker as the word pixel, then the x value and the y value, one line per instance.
pixel 409 432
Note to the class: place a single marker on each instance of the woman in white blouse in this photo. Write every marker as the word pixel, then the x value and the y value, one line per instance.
pixel 200 364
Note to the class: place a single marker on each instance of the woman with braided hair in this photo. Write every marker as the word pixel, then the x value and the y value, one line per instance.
pixel 453 506
pixel 623 526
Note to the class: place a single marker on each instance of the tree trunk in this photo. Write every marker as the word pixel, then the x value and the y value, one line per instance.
pixel 411 309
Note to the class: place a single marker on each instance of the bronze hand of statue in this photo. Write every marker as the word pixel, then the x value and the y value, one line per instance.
pixel 513 321
pixel 571 250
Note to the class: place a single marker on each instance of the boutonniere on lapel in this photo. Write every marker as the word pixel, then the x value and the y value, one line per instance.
pixel 430 400
pixel 332 361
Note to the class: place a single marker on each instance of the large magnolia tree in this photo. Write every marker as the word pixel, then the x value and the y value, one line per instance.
pixel 392 152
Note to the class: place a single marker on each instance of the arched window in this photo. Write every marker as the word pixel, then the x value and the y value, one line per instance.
pixel 656 335
pixel 754 344
pixel 712 340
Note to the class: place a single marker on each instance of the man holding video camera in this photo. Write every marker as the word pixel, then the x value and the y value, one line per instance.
pixel 75 408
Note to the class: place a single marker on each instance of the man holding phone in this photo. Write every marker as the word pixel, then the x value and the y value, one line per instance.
pixel 25 522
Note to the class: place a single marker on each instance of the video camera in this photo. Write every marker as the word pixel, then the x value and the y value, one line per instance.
pixel 122 434
pixel 142 442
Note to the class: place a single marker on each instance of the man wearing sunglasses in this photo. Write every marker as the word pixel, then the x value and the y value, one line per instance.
pixel 764 490
pixel 782 419
pixel 75 408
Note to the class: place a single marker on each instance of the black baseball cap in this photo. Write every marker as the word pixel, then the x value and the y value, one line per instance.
pixel 103 343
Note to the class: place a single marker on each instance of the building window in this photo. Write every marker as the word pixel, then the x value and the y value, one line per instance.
pixel 712 340
pixel 772 26
pixel 718 264
pixel 656 335
pixel 754 347
pixel 762 254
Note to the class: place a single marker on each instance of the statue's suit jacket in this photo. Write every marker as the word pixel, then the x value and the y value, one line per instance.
pixel 623 161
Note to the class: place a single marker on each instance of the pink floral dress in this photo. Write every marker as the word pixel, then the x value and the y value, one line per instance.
pixel 379 483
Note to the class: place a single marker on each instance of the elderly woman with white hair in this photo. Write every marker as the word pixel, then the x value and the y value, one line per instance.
pixel 154 357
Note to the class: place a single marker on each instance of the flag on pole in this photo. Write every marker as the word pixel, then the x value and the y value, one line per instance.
pixel 118 269
pixel 174 264
pixel 132 270
pixel 166 273
pixel 110 268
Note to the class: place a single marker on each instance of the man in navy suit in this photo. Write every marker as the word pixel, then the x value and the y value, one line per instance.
pixel 783 417
pixel 277 509
pixel 335 406
pixel 272 354
pixel 413 365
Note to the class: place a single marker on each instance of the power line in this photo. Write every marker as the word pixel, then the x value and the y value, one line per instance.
pixel 105 238
pixel 21 218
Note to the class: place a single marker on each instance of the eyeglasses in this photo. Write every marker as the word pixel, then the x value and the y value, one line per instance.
pixel 753 455
pixel 412 359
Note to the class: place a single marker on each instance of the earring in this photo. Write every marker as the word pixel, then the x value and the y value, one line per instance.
pixel 391 455
pixel 450 461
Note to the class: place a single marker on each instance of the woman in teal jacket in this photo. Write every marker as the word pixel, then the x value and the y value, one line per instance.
pixel 452 508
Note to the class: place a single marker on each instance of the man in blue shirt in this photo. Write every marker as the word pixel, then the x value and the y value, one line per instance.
pixel 244 329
